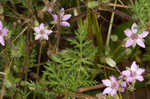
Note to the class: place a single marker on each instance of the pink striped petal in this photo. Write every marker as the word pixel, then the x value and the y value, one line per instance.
pixel 66 17
pixel 140 78
pixel 1 25
pixel 134 66
pixel 37 29
pixel 143 35
pixel 126 73
pixel 113 78
pixel 106 82
pixel 134 28
pixel 140 71
pixel 41 26
pixel 123 84
pixel 64 23
pixel 129 42
pixel 128 32
pixel 48 32
pixel 62 12
pixel 113 92
pixel 55 17
pixel 107 90
pixel 45 36
pixel 2 41
pixel 37 36
pixel 129 79
pixel 140 43
pixel 5 31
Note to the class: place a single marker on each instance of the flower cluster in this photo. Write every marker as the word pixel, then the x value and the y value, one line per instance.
pixel 134 38
pixel 42 32
pixel 63 18
pixel 127 76
pixel 3 32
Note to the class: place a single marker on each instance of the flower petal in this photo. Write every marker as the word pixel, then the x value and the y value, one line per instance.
pixel 107 90
pixel 37 36
pixel 140 78
pixel 41 26
pixel 66 17
pixel 64 23
pixel 128 32
pixel 129 42
pixel 37 29
pixel 140 71
pixel 134 66
pixel 143 35
pixel 5 31
pixel 122 89
pixel 55 17
pixel 48 32
pixel 106 82
pixel 126 73
pixel 113 78
pixel 113 92
pixel 134 28
pixel 123 84
pixel 62 12
pixel 45 36
pixel 1 25
pixel 50 10
pixel 129 79
pixel 140 43
pixel 2 41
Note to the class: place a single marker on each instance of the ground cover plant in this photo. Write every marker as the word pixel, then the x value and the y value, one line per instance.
pixel 74 49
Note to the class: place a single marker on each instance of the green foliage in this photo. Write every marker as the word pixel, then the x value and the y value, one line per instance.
pixel 73 63
pixel 141 11
pixel 93 4
pixel 70 69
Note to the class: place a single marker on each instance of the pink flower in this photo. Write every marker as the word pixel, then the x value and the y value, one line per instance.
pixel 42 32
pixel 134 38
pixel 50 9
pixel 112 86
pixel 3 32
pixel 123 85
pixel 63 18
pixel 134 73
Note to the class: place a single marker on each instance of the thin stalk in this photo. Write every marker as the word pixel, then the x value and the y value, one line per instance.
pixel 6 71
pixel 116 50
pixel 38 68
pixel 120 96
pixel 58 35
pixel 39 59
pixel 105 73
pixel 110 27
pixel 25 68
pixel 109 33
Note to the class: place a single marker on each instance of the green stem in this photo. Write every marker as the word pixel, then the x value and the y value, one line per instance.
pixel 116 50
pixel 58 35
pixel 120 95
pixel 38 68
pixel 6 71
pixel 39 59
pixel 110 28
